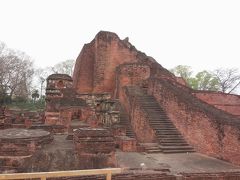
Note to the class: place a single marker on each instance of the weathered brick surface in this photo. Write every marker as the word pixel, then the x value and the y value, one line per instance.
pixel 227 102
pixel 84 69
pixel 130 74
pixel 95 69
pixel 209 130
pixel 59 81
pixel 126 144
pixel 19 118
pixel 104 67
pixel 118 130
pixel 51 118
pixel 139 121
pixel 13 164
pixel 95 147
pixel 211 176
pixel 158 174
pixel 131 174
pixel 18 145
pixel 28 123
pixel 65 117
pixel 22 142
pixel 2 116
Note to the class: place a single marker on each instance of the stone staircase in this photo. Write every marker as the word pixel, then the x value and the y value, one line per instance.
pixel 124 120
pixel 169 138
pixel 151 147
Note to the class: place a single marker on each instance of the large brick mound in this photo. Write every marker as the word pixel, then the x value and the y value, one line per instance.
pixel 208 121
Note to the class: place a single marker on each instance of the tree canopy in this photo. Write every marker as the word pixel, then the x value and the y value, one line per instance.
pixel 16 71
pixel 226 80
pixel 64 67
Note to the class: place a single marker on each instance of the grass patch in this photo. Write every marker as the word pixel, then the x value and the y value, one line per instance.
pixel 28 106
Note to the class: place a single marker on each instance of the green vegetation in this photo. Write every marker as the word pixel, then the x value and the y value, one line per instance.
pixel 28 105
pixel 225 80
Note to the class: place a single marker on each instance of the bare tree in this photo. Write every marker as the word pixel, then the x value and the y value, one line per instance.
pixel 64 67
pixel 41 75
pixel 227 78
pixel 15 72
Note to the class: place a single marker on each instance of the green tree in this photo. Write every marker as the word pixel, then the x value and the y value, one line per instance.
pixel 225 80
pixel 204 80
pixel 182 71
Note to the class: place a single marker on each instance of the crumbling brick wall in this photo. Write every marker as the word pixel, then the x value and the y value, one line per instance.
pixel 130 74
pixel 95 69
pixel 84 69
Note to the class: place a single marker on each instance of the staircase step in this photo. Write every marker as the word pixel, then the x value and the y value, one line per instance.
pixel 174 144
pixel 175 147
pixel 171 141
pixel 166 129
pixel 169 136
pixel 177 151
pixel 154 151
pixel 161 123
pixel 179 148
pixel 151 147
pixel 124 120
pixel 168 133
pixel 151 106
pixel 158 117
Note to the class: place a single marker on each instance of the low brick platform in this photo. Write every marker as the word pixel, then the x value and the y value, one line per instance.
pixel 22 142
pixel 95 147
pixel 93 140
pixel 126 144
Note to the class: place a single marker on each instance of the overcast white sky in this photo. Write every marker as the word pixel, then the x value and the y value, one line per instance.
pixel 204 34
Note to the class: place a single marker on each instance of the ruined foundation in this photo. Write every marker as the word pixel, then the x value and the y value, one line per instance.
pixel 18 145
pixel 95 147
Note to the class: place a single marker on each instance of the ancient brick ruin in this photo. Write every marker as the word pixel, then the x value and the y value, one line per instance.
pixel 120 99
pixel 160 108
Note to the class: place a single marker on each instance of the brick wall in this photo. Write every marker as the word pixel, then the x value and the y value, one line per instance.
pixel 207 129
pixel 130 74
pixel 140 124
pixel 110 52
pixel 227 102
pixel 83 70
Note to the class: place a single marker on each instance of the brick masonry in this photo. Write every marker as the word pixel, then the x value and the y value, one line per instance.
pixel 95 147
pixel 227 102
pixel 209 130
